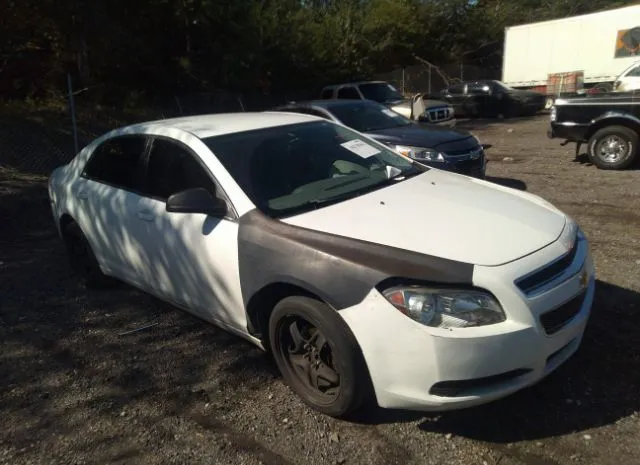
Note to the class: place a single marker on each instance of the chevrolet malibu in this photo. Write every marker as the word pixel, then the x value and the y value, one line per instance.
pixel 370 277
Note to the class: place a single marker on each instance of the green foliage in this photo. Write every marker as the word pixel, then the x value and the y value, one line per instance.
pixel 156 48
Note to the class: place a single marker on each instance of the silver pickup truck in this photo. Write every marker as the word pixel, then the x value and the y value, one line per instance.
pixel 416 107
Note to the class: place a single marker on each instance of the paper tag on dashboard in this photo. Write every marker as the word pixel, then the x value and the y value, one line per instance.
pixel 391 113
pixel 360 148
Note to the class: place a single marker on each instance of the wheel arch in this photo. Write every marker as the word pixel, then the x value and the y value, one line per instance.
pixel 613 119
pixel 262 303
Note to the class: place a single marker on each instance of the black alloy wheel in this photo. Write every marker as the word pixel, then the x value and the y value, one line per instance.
pixel 318 356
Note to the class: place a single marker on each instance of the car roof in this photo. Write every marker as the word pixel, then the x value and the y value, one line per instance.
pixel 328 103
pixel 356 83
pixel 203 126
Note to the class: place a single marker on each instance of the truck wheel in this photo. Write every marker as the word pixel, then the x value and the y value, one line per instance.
pixel 613 147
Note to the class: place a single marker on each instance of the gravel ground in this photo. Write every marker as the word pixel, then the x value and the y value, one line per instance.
pixel 73 390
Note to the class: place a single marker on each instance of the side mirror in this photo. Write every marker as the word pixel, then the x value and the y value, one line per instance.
pixel 197 200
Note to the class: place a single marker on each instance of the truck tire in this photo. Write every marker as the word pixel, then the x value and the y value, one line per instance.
pixel 613 147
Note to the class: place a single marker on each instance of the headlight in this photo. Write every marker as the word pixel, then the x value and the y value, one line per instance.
pixel 420 153
pixel 446 308
pixel 554 114
pixel 570 234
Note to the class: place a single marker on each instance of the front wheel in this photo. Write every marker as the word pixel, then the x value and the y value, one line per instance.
pixel 318 356
pixel 613 147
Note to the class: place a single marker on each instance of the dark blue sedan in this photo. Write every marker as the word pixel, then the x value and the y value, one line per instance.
pixel 439 147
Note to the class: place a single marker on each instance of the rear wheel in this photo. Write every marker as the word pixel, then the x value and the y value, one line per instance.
pixel 82 259
pixel 318 356
pixel 613 147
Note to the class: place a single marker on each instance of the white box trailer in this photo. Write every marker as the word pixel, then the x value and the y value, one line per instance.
pixel 600 45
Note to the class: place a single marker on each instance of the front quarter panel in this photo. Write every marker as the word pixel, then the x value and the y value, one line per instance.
pixel 339 270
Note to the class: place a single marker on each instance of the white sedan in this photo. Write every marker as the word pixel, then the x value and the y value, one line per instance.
pixel 369 276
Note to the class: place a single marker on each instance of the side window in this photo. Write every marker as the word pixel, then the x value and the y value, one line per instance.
pixel 326 94
pixel 478 88
pixel 117 162
pixel 635 72
pixel 172 168
pixel 348 93
pixel 456 90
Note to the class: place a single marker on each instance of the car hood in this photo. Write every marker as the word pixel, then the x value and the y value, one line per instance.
pixel 424 135
pixel 445 215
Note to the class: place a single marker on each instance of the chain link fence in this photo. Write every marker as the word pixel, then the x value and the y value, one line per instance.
pixel 431 79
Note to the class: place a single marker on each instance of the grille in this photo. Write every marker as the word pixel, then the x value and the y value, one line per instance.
pixel 468 166
pixel 554 320
pixel 547 274
pixel 439 114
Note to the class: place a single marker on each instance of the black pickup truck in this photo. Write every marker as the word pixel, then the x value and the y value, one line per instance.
pixel 608 123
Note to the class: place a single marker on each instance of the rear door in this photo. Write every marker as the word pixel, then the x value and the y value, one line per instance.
pixel 108 193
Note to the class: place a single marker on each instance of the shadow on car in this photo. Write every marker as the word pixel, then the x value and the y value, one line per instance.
pixel 597 386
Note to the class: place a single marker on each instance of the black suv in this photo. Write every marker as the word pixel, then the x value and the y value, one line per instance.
pixel 609 123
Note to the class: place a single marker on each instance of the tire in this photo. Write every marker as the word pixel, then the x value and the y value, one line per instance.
pixel 613 147
pixel 82 259
pixel 342 383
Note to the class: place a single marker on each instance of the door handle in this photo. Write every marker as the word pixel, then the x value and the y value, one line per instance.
pixel 82 195
pixel 145 215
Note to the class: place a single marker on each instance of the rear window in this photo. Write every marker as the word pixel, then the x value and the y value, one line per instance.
pixel 380 92
pixel 117 162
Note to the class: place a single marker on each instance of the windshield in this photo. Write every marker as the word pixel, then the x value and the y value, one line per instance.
pixel 368 116
pixel 380 92
pixel 291 169
pixel 501 85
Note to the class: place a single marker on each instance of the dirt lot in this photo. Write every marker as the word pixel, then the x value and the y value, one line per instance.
pixel 75 391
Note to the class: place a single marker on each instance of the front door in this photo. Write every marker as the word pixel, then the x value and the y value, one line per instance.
pixel 193 257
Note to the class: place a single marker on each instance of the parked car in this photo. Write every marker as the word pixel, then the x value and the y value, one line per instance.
pixel 418 107
pixel 492 99
pixel 442 148
pixel 369 276
pixel 608 123
pixel 629 79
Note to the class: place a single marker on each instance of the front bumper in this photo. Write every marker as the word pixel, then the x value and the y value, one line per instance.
pixel 416 367
pixel 568 131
